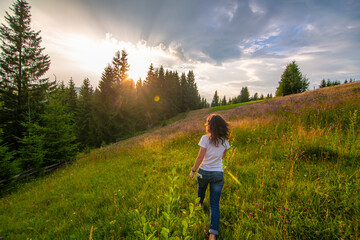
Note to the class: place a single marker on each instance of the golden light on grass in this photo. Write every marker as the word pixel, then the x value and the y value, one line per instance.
pixel 91 230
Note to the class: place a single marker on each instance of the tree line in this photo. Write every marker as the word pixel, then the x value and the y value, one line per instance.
pixel 244 96
pixel 329 83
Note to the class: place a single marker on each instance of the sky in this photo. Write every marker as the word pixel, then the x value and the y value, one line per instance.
pixel 228 44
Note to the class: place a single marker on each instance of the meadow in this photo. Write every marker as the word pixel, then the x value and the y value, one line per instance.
pixel 294 162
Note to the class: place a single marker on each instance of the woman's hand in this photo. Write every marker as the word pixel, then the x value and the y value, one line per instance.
pixel 191 175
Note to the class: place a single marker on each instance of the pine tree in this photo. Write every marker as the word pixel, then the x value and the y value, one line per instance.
pixel 116 66
pixel 244 95
pixel 150 93
pixel 193 94
pixel 22 65
pixel 172 93
pixel 84 118
pixel 140 111
pixel 31 151
pixel 107 89
pixel 215 101
pixel 125 67
pixel 57 131
pixel 328 83
pixel 323 83
pixel 292 81
pixel 204 103
pixel 71 97
pixel 185 101
pixel 5 158
pixel 52 138
pixel 223 101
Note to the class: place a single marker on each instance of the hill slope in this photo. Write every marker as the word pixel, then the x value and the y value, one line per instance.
pixel 296 158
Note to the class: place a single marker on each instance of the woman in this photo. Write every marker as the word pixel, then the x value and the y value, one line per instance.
pixel 213 148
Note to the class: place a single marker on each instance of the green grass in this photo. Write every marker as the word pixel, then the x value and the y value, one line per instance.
pixel 296 158
pixel 226 107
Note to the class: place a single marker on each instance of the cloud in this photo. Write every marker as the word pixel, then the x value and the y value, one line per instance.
pixel 224 13
pixel 256 7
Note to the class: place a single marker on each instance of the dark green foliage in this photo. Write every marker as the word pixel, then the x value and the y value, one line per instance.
pixel 292 81
pixel 57 132
pixel 329 83
pixel 190 97
pixel 215 101
pixel 165 94
pixel 31 152
pixel 84 117
pixel 5 162
pixel 172 92
pixel 223 101
pixel 71 97
pixel 184 92
pixel 114 102
pixel 50 140
pixel 5 158
pixel 204 103
pixel 193 94
pixel 244 95
pixel 22 64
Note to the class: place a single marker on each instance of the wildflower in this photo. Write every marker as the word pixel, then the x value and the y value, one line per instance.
pixel 342 231
pixel 250 214
pixel 287 221
pixel 257 204
pixel 262 211
pixel 286 209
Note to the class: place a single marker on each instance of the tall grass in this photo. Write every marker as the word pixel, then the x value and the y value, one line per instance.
pixel 296 159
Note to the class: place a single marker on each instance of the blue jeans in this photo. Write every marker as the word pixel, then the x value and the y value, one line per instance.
pixel 216 181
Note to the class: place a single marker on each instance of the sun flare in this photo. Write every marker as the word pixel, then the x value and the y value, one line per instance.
pixel 95 54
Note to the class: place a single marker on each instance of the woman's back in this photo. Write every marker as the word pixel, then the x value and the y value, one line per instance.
pixel 213 156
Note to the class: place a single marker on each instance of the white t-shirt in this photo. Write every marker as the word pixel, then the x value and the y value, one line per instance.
pixel 213 156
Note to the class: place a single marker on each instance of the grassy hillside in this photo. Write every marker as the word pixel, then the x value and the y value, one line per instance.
pixel 296 157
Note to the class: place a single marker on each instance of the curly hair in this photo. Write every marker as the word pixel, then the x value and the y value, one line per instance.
pixel 217 128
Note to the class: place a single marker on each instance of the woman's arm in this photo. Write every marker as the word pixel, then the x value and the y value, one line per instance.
pixel 223 156
pixel 198 161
